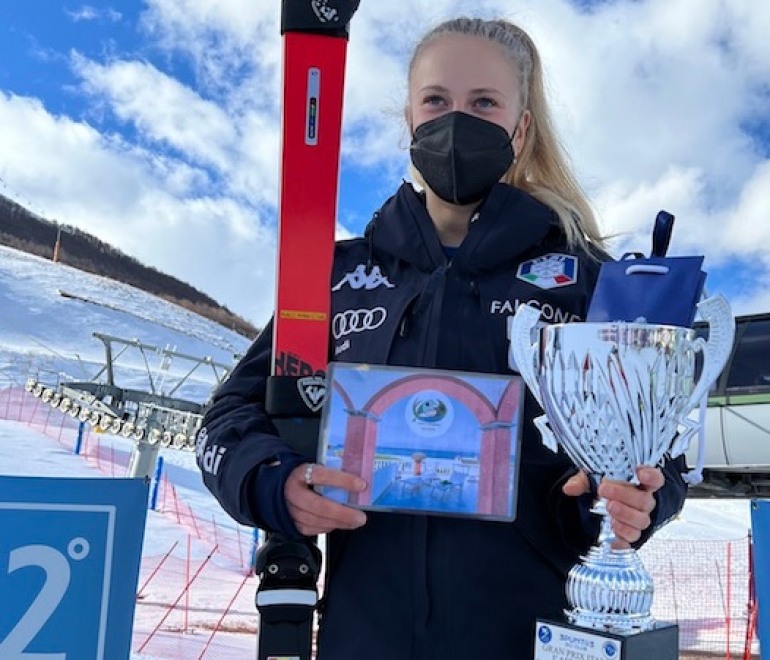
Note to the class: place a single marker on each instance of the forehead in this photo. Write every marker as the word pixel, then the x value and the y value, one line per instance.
pixel 463 60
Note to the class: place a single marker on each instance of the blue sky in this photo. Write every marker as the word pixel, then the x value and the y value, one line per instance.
pixel 155 125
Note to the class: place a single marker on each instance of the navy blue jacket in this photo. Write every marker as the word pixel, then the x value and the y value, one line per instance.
pixel 415 587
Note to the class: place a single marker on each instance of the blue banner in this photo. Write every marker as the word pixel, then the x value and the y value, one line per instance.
pixel 69 565
pixel 760 526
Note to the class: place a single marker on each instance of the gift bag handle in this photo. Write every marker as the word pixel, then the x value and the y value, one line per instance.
pixel 661 234
pixel 649 269
pixel 661 237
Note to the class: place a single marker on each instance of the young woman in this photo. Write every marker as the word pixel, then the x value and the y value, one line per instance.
pixel 496 200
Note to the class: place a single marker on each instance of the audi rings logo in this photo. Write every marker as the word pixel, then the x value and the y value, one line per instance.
pixel 357 320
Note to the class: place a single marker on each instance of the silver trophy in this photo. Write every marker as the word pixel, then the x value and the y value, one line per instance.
pixel 616 396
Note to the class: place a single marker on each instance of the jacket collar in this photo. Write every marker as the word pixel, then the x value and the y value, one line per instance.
pixel 508 223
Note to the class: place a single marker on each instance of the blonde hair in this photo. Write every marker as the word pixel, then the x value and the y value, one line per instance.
pixel 541 167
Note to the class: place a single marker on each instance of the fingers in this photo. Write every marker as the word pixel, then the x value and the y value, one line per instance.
pixel 631 506
pixel 576 485
pixel 324 476
pixel 650 478
pixel 314 514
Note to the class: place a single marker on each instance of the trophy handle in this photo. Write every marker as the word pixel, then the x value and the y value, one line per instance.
pixel 522 351
pixel 716 311
pixel 522 357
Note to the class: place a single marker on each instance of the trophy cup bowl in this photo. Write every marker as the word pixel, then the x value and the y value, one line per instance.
pixel 616 396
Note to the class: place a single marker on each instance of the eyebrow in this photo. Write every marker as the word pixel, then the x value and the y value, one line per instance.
pixel 477 90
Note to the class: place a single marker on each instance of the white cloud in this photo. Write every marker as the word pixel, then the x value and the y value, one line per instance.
pixel 754 300
pixel 747 226
pixel 643 86
pixel 161 109
pixel 90 13
pixel 627 211
pixel 226 42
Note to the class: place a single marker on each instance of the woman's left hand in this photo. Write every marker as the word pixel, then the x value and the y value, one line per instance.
pixel 629 506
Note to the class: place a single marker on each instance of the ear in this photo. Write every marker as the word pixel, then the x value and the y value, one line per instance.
pixel 408 119
pixel 520 132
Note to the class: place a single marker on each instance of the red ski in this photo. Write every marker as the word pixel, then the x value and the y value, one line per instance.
pixel 315 45
pixel 314 72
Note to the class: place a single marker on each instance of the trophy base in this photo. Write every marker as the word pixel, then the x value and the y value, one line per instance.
pixel 560 640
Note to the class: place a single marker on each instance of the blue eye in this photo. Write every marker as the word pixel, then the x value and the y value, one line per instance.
pixel 486 102
pixel 433 99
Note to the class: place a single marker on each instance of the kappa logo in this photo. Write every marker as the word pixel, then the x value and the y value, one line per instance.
pixel 312 389
pixel 324 12
pixel 359 279
pixel 357 320
pixel 550 271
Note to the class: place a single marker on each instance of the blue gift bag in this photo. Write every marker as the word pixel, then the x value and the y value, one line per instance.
pixel 655 289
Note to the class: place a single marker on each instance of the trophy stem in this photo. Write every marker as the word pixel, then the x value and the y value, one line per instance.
pixel 606 534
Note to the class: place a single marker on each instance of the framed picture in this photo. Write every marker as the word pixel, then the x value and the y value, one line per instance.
pixel 424 440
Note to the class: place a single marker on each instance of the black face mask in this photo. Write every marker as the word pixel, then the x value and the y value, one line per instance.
pixel 461 156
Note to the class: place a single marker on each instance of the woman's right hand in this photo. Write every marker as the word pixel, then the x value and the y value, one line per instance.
pixel 315 514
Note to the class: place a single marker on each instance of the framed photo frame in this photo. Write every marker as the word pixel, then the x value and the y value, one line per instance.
pixel 425 440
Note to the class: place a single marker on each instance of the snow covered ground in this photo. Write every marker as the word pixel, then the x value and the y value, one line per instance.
pixel 43 332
